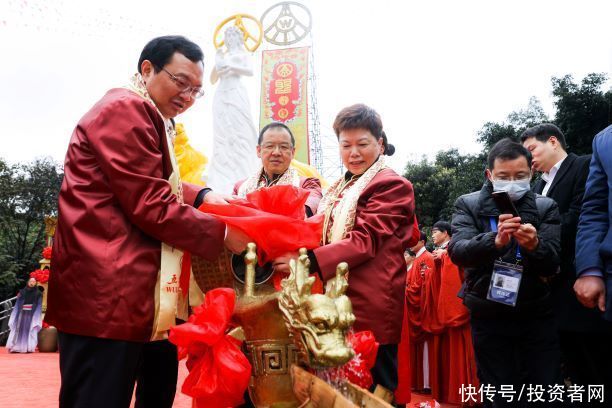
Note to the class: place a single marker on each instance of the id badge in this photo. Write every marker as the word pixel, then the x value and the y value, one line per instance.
pixel 505 282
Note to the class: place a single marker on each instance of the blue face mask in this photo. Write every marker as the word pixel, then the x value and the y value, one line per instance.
pixel 516 189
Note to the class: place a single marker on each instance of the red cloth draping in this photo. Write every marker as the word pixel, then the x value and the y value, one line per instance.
pixel 274 218
pixel 218 370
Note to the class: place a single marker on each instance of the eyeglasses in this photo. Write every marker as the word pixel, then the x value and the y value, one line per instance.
pixel 184 86
pixel 284 148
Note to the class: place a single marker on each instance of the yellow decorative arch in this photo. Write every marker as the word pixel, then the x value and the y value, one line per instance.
pixel 256 39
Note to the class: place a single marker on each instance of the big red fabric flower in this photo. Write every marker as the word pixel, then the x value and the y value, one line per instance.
pixel 218 370
pixel 46 253
pixel 274 218
pixel 357 371
pixel 41 276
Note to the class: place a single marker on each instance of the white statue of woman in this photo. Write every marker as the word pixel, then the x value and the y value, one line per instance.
pixel 235 135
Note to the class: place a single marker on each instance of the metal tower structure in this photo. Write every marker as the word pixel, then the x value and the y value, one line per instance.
pixel 314 132
pixel 323 146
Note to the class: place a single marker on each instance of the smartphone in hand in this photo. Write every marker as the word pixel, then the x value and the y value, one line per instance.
pixel 504 204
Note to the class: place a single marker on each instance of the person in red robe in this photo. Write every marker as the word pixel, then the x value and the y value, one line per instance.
pixel 458 366
pixel 124 221
pixel 430 322
pixel 369 216
pixel 423 264
pixel 407 370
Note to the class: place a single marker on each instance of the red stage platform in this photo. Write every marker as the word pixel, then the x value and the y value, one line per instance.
pixel 33 380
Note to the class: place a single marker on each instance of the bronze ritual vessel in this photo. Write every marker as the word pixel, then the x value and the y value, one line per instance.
pixel 289 327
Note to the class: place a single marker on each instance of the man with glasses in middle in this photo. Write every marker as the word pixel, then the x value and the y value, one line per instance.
pixel 276 149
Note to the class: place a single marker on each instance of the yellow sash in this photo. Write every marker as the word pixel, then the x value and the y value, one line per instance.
pixel 170 303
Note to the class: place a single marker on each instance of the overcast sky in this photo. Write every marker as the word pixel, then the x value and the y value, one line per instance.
pixel 436 71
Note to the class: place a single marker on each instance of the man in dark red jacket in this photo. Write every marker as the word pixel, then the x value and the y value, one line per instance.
pixel 124 221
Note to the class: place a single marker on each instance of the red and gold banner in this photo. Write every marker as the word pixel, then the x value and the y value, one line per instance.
pixel 284 94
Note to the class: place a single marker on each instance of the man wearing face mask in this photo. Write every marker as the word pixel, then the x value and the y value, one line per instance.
pixel 506 259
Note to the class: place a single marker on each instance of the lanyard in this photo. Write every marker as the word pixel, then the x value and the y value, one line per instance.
pixel 493 222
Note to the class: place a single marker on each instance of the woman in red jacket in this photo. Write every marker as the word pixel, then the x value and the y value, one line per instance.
pixel 369 215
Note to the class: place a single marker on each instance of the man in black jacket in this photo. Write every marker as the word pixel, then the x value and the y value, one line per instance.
pixel 583 334
pixel 507 259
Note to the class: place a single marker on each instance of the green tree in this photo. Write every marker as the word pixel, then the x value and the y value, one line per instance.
pixel 430 189
pixel 437 185
pixel 532 115
pixel 8 276
pixel 28 193
pixel 516 123
pixel 582 110
pixel 469 177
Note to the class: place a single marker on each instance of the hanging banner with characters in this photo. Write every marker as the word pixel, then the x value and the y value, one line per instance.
pixel 284 96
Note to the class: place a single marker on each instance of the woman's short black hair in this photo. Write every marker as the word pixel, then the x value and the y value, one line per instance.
pixel 161 49
pixel 360 116
pixel 275 125
pixel 507 149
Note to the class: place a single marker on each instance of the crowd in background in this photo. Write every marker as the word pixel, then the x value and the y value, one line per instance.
pixel 531 277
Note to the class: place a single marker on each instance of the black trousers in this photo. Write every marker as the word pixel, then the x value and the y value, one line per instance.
pixel 384 371
pixel 101 373
pixel 587 358
pixel 517 353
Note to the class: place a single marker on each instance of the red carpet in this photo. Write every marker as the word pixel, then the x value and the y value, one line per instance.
pixel 33 380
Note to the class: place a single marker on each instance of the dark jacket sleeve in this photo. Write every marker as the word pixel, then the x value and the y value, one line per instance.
pixel 469 246
pixel 569 220
pixel 127 149
pixel 544 260
pixel 593 225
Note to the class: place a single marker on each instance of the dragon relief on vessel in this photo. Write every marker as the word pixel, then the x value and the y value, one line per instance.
pixel 318 323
